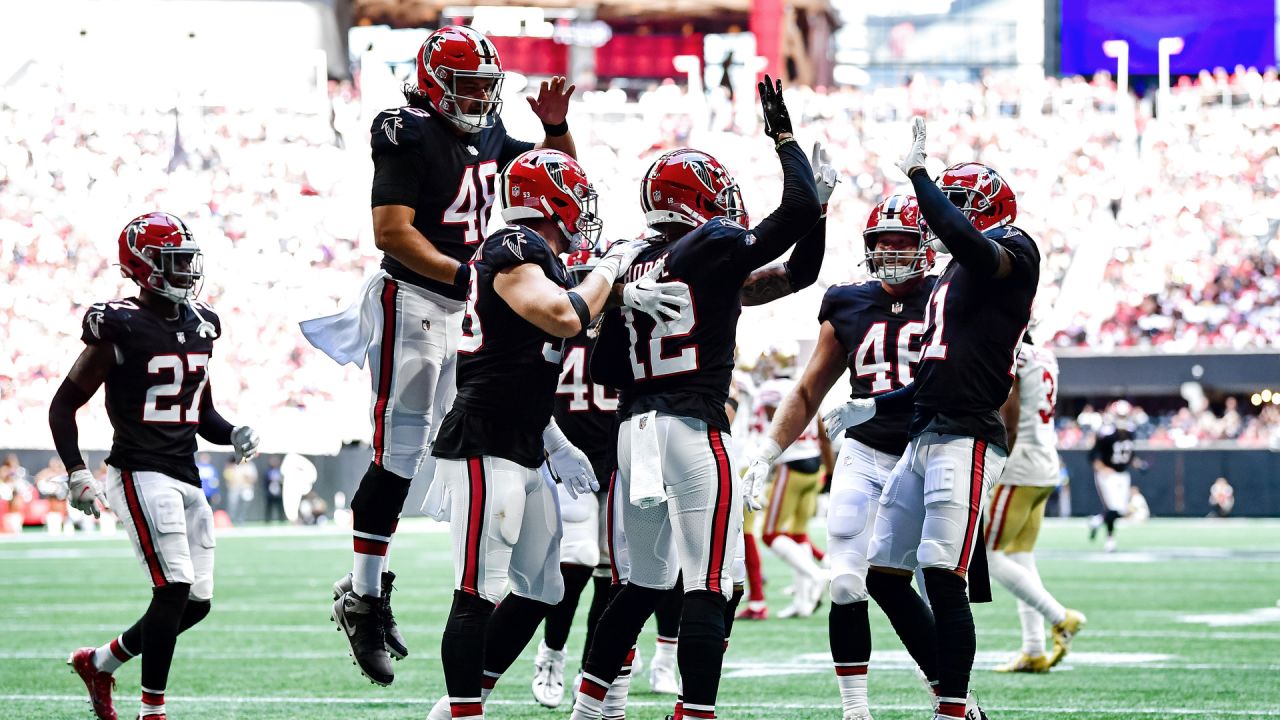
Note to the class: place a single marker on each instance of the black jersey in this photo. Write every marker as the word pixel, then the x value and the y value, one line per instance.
pixel 882 335
pixel 974 327
pixel 587 411
pixel 155 388
pixel 449 181
pixel 1114 447
pixel 681 367
pixel 507 366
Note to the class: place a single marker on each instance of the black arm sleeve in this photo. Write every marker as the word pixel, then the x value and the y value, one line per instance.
pixel 973 250
pixel 62 422
pixel 213 427
pixel 900 400
pixel 796 214
pixel 806 259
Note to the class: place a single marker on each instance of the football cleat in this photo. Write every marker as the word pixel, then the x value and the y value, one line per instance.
pixel 395 641
pixel 857 715
pixel 1063 633
pixel 663 679
pixel 1109 545
pixel 1025 663
pixel 361 619
pixel 577 683
pixel 548 676
pixel 99 684
pixel 755 610
pixel 152 716
pixel 1095 522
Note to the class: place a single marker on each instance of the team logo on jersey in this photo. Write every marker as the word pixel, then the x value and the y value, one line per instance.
pixel 473 151
pixel 391 126
pixel 426 325
pixel 515 243
pixel 95 323
pixel 182 338
pixel 896 308
pixel 644 420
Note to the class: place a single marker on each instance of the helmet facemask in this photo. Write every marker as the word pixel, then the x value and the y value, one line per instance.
pixel 177 272
pixel 894 266
pixel 489 104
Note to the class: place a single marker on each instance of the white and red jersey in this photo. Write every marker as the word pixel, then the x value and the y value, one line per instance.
pixel 1034 460
pixel 768 398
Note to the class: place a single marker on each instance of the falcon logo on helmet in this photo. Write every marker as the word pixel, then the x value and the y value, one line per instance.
pixel 461 75
pixel 551 185
pixel 158 252
pixel 689 187
pixel 910 257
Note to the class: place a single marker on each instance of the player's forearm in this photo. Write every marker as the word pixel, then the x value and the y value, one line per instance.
pixel 416 252
pixel 69 398
pixel 899 400
pixel 973 250
pixel 797 273
pixel 563 143
pixel 793 414
pixel 795 215
pixel 213 427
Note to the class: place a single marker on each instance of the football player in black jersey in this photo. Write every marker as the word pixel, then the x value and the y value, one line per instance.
pixel 152 353
pixel 505 522
pixel 929 512
pixel 435 167
pixel 682 504
pixel 1111 456
pixel 875 330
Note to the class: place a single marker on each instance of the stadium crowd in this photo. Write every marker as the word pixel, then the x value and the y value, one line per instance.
pixel 1190 204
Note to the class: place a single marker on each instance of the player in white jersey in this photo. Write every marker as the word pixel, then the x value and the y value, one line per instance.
pixel 793 500
pixel 1017 507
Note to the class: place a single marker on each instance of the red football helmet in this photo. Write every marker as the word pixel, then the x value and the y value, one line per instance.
pixel 549 184
pixel 689 187
pixel 459 53
pixel 158 252
pixel 896 214
pixel 980 193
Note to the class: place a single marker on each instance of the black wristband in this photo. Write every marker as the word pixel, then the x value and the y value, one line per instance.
pixel 580 307
pixel 462 278
pixel 560 129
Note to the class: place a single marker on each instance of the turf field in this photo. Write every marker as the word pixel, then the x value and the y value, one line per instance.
pixel 1183 622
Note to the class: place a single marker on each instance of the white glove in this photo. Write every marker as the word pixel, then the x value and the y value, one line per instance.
pixel 824 174
pixel 916 155
pixel 567 463
pixel 854 412
pixel 244 441
pixel 653 297
pixel 84 492
pixel 759 462
pixel 618 259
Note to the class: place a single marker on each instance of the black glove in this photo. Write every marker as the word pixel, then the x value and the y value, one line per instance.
pixel 776 118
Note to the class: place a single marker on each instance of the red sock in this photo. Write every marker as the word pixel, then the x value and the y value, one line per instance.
pixel 755 580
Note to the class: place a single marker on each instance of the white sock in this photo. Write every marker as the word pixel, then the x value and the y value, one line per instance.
pixel 590 701
pixel 152 702
pixel 664 652
pixel 1025 585
pixel 798 556
pixel 111 656
pixel 615 701
pixel 366 572
pixel 1032 620
pixel 852 679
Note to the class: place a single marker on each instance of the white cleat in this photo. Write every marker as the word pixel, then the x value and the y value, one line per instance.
pixel 1109 545
pixel 858 715
pixel 548 676
pixel 664 680
pixel 441 710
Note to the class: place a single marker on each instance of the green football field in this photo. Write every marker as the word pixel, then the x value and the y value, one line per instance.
pixel 1183 622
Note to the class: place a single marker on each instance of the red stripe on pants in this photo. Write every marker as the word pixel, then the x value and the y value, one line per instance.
pixel 144 532
pixel 975 503
pixel 475 526
pixel 720 517
pixel 613 554
pixel 386 364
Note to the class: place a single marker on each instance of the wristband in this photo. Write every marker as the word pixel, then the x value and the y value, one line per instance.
pixel 778 145
pixel 560 129
pixel 580 307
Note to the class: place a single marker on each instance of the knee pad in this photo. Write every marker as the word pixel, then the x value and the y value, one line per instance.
pixel 934 553
pixel 847 588
pixel 378 501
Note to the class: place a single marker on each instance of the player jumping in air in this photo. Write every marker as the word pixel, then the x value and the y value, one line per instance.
pixel 435 166
pixel 152 353
pixel 931 504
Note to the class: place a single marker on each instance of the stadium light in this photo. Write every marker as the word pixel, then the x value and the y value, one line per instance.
pixel 1119 49
pixel 1168 46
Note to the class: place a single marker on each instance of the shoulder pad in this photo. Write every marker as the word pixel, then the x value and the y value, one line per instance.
pixel 515 246
pixel 724 227
pixel 207 312
pixel 397 128
pixel 107 322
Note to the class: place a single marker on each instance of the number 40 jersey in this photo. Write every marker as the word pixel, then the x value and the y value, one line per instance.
pixel 155 389
pixel 881 335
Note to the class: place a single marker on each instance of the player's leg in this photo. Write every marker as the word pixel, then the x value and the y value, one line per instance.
pixel 892 557
pixel 663 675
pixel 855 497
pixel 757 607
pixel 705 503
pixel 1010 512
pixel 957 473
pixel 537 584
pixel 806 511
pixel 579 554
pixel 1020 549
pixel 487 497
pixel 800 506
pixel 602 578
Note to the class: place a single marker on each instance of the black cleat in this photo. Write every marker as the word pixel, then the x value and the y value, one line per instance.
pixel 395 641
pixel 361 618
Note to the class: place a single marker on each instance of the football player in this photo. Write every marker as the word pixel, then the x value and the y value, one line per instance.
pixel 435 165
pixel 875 330
pixel 152 353
pixel 1017 507
pixel 931 506
pixel 1111 455
pixel 681 501
pixel 505 520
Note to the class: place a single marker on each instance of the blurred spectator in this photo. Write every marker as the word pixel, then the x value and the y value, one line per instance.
pixel 1222 498
pixel 299 477
pixel 1139 511
pixel 240 481
pixel 209 479
pixel 1183 428
pixel 313 510
pixel 273 491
